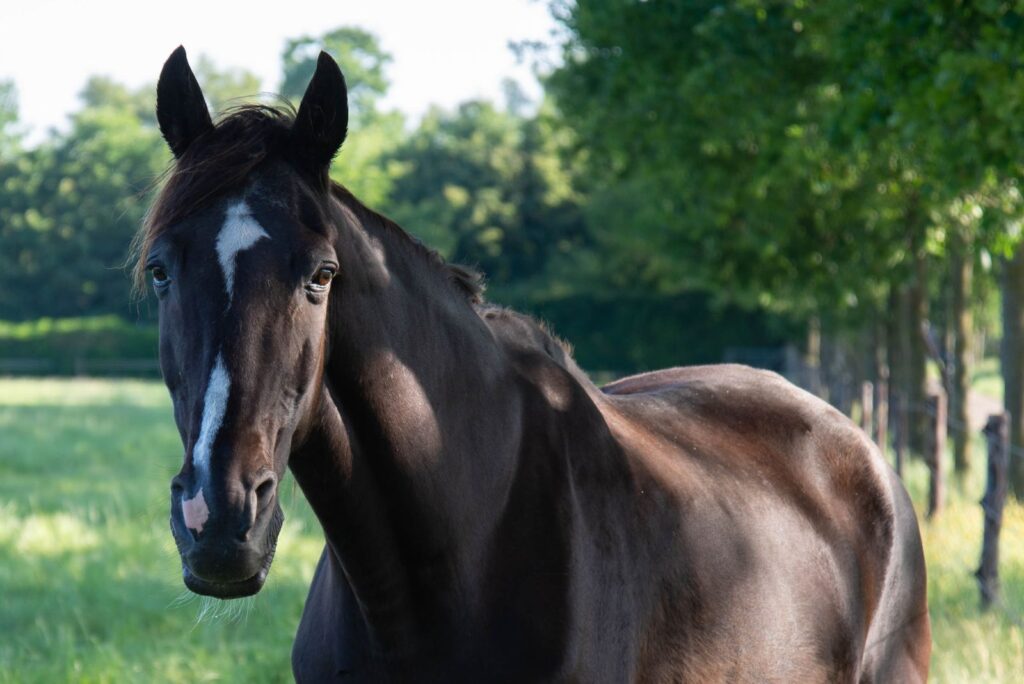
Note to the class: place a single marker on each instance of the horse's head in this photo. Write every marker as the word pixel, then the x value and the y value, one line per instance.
pixel 240 249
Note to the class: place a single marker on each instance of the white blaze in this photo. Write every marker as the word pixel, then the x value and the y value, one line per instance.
pixel 239 232
pixel 215 403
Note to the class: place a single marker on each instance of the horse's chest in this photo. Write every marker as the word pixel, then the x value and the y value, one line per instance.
pixel 331 640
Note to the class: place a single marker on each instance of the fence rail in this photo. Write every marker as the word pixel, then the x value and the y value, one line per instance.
pixel 79 366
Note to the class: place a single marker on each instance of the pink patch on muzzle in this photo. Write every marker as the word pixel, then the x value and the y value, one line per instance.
pixel 195 512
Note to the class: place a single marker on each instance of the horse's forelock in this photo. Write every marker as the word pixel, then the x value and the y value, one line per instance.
pixel 220 163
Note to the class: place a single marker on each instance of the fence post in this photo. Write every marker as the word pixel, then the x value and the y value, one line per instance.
pixel 936 449
pixel 867 396
pixel 996 485
pixel 899 407
pixel 882 416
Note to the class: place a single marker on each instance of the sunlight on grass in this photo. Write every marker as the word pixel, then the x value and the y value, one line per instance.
pixel 45 535
pixel 82 392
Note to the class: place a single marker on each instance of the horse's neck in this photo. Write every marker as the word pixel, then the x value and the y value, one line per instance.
pixel 414 447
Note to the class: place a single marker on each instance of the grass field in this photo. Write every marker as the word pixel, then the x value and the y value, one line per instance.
pixel 89 581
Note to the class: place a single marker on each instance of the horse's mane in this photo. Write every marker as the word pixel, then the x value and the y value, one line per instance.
pixel 244 138
pixel 467 280
pixel 534 334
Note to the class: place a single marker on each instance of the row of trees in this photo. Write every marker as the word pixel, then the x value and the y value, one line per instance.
pixel 483 183
pixel 855 163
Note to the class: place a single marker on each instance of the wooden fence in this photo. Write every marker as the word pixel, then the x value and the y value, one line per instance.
pixel 80 367
pixel 874 421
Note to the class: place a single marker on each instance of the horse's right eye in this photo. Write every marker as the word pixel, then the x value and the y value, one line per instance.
pixel 160 276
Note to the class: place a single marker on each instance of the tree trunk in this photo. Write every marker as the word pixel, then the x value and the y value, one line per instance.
pixel 1013 362
pixel 917 353
pixel 880 342
pixel 812 360
pixel 936 451
pixel 963 331
pixel 915 314
pixel 895 356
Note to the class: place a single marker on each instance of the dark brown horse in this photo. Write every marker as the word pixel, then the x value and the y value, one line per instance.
pixel 490 515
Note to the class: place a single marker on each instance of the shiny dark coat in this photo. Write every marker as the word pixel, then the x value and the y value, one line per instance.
pixel 489 514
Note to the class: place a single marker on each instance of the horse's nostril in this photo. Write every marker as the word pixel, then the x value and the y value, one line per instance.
pixel 260 496
pixel 265 490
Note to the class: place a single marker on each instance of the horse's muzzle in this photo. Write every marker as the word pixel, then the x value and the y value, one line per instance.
pixel 232 554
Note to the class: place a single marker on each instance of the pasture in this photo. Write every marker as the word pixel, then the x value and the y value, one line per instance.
pixel 90 589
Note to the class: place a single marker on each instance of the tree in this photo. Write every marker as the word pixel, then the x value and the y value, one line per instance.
pixel 9 137
pixel 945 81
pixel 363 164
pixel 360 57
pixel 486 187
pixel 71 207
pixel 805 156
pixel 225 87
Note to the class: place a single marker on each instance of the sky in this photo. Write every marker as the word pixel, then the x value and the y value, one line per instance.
pixel 445 51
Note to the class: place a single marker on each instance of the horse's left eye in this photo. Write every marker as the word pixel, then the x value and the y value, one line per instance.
pixel 322 279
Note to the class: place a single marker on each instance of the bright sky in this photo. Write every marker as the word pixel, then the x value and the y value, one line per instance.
pixel 445 51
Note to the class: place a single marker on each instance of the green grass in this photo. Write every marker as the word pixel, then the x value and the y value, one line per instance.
pixel 970 645
pixel 90 588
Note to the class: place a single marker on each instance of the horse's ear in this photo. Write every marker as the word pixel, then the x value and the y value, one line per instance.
pixel 322 120
pixel 180 106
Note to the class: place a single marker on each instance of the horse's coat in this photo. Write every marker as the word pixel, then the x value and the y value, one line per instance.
pixel 489 513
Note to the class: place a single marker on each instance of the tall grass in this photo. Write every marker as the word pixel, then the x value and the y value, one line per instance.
pixel 90 587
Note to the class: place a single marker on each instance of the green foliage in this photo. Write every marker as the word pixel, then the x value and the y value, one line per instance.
pixel 790 154
pixel 360 57
pixel 70 207
pixel 363 165
pixel 629 333
pixel 486 187
pixel 225 88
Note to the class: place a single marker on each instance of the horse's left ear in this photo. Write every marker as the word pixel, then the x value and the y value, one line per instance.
pixel 322 120
pixel 180 107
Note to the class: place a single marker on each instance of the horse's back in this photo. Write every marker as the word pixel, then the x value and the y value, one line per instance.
pixel 767 476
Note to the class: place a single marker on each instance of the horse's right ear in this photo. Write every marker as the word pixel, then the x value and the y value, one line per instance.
pixel 180 106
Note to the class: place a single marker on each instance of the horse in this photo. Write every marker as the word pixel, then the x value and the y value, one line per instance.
pixel 489 513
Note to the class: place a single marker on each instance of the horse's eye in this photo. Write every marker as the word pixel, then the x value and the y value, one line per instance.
pixel 160 276
pixel 322 279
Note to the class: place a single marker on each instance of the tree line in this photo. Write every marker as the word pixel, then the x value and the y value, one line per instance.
pixel 855 163
pixel 840 174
